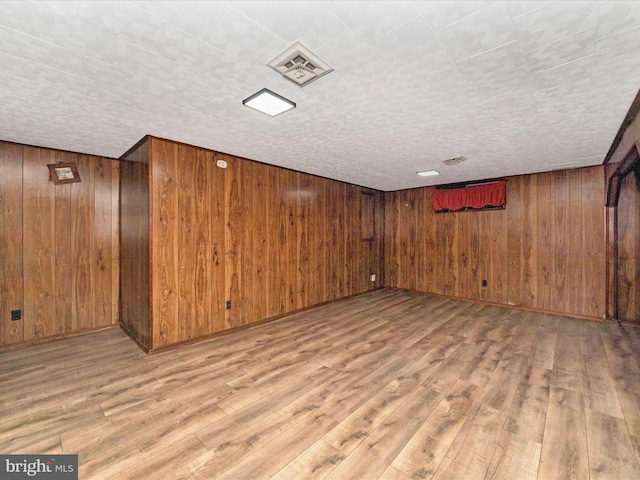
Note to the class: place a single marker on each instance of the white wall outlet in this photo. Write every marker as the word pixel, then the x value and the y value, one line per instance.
pixel 373 277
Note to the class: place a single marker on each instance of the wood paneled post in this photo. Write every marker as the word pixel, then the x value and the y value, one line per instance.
pixel 11 244
pixel 612 262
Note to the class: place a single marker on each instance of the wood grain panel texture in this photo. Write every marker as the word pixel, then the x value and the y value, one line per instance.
pixel 628 249
pixel 269 240
pixel 165 176
pixel 623 232
pixel 545 251
pixel 11 243
pixel 134 256
pixel 59 245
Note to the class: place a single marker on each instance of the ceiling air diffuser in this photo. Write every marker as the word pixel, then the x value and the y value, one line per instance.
pixel 300 65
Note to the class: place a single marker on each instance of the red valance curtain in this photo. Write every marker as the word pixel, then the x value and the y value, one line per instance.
pixel 474 196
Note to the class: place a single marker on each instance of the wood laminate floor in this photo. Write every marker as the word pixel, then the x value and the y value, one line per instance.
pixel 387 385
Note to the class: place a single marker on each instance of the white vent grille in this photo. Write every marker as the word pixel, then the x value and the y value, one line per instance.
pixel 450 162
pixel 300 65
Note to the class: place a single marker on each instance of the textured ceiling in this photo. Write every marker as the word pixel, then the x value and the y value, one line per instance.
pixel 515 87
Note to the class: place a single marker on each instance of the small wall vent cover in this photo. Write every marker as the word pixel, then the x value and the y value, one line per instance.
pixel 454 161
pixel 300 65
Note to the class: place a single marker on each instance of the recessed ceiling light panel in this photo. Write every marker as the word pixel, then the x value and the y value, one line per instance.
pixel 300 65
pixel 428 173
pixel 268 102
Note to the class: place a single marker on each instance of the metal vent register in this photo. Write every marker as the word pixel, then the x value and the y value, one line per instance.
pixel 300 65
pixel 454 161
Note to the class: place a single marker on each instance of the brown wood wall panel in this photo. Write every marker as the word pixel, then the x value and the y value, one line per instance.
pixel 270 240
pixel 628 245
pixel 543 236
pixel 514 241
pixel 245 304
pixel 574 238
pixel 164 173
pixel 134 213
pixel 39 244
pixel 560 254
pixel 82 240
pixel 473 273
pixel 187 229
pixel 276 239
pixel 500 267
pixel 64 257
pixel 545 251
pixel 233 241
pixel 61 271
pixel 622 223
pixel 484 255
pixel 203 278
pixel 11 243
pixel 115 241
pixel 592 265
pixel 259 252
pixel 216 210
pixel 529 249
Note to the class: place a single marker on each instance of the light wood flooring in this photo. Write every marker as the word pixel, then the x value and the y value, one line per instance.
pixel 386 385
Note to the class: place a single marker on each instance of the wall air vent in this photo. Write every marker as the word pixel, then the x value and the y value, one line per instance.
pixel 450 162
pixel 300 65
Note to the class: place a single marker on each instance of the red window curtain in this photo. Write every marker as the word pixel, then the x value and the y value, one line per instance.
pixel 473 196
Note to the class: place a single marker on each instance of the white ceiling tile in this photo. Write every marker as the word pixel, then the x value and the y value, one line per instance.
pixel 67 8
pixel 520 7
pixel 240 74
pixel 257 10
pixel 187 50
pixel 554 21
pixel 564 97
pixel 479 32
pixel 17 15
pixel 196 17
pixel 440 14
pixel 36 20
pixel 347 54
pixel 502 66
pixel 309 22
pixel 122 18
pixel 27 70
pixel 138 61
pixel 623 74
pixel 373 19
pixel 569 49
pixel 618 16
pixel 242 38
pixel 431 68
pixel 618 45
pixel 563 74
pixel 34 49
pixel 407 43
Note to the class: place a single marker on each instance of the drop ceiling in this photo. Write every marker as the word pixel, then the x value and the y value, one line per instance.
pixel 514 87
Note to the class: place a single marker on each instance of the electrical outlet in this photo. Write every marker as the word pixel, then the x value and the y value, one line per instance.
pixel 484 283
pixel 228 304
pixel 373 277
pixel 16 315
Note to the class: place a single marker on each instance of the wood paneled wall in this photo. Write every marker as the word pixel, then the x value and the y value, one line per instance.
pixel 270 240
pixel 628 264
pixel 135 280
pixel 545 251
pixel 623 226
pixel 59 244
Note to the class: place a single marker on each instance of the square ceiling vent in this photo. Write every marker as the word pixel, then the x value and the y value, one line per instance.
pixel 300 65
